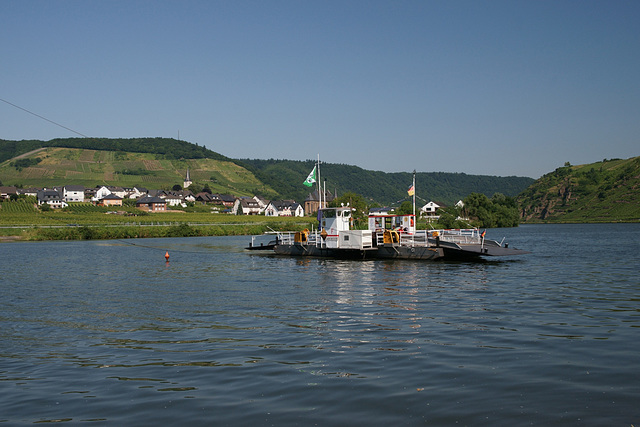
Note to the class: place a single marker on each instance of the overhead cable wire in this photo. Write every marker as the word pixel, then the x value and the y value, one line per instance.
pixel 43 118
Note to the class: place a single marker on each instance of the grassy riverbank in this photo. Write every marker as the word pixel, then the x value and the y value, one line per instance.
pixel 136 231
pixel 23 222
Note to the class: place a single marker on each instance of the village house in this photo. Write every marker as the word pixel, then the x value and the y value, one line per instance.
pixel 284 208
pixel 141 190
pixel 157 193
pixel 100 193
pixel 246 206
pixel 51 198
pixel 204 197
pixel 151 204
pixel 214 200
pixel 184 196
pixel 110 200
pixel 133 193
pixel 73 193
pixel 136 192
pixel 460 206
pixel 6 192
pixel 118 191
pixel 227 200
pixel 28 191
pixel 261 201
pixel 187 196
pixel 172 199
pixel 430 210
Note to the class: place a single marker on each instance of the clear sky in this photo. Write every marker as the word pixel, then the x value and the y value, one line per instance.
pixel 481 87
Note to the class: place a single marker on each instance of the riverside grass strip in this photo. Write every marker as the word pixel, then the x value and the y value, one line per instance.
pixel 19 221
pixel 136 232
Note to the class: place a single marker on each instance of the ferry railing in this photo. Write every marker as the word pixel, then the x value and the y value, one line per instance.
pixel 419 238
pixel 460 236
pixel 289 238
pixel 315 239
pixel 422 237
pixel 286 238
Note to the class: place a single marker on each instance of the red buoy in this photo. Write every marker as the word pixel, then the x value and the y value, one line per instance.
pixel 166 256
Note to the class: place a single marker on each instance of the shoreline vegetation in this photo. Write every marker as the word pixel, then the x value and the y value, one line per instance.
pixel 140 231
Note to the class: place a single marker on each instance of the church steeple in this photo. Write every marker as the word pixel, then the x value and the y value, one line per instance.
pixel 187 180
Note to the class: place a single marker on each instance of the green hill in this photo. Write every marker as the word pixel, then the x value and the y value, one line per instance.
pixel 56 166
pixel 607 191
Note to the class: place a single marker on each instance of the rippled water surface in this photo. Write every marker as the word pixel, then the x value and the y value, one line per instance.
pixel 106 332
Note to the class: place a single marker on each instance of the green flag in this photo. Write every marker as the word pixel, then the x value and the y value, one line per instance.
pixel 311 178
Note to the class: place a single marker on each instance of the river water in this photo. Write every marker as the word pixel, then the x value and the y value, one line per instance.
pixel 107 332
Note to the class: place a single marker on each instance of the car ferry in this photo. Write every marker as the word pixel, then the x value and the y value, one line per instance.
pixel 387 236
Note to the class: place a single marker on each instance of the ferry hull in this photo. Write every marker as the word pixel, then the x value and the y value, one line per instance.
pixel 406 252
pixel 380 252
pixel 314 251
pixel 444 250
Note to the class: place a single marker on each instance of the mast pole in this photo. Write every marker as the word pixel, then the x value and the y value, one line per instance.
pixel 319 183
pixel 414 193
pixel 324 192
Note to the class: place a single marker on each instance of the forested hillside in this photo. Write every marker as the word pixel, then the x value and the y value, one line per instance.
pixel 605 191
pixel 286 176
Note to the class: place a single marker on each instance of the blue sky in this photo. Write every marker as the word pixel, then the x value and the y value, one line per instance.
pixel 481 87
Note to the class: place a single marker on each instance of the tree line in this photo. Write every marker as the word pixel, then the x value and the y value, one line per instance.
pixel 168 147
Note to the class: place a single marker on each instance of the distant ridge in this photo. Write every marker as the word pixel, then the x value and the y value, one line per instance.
pixel 286 176
pixel 169 147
